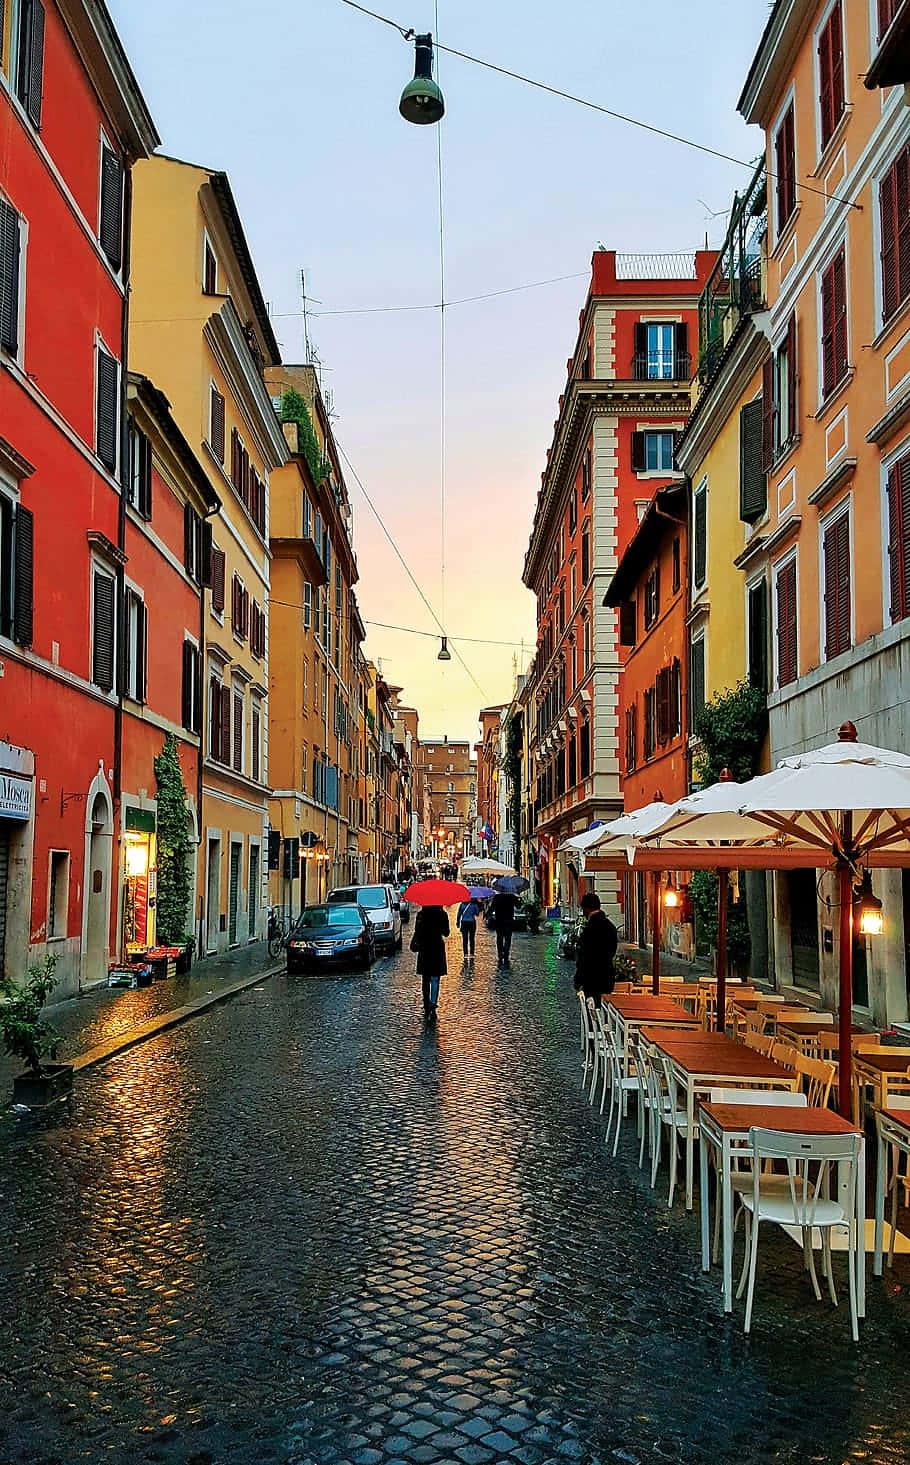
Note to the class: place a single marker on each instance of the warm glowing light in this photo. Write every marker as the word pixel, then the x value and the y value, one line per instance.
pixel 137 857
pixel 871 918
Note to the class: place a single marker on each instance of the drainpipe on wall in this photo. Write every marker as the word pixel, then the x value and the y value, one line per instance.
pixel 200 755
pixel 124 468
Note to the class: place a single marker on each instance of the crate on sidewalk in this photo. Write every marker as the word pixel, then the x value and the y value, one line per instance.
pixel 123 976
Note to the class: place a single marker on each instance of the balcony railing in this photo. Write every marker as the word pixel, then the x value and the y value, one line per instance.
pixel 661 366
pixel 736 285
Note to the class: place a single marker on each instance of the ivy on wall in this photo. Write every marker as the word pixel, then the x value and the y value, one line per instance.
pixel 294 409
pixel 174 848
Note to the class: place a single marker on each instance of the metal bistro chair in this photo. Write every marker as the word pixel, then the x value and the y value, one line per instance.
pixel 622 1083
pixel 892 1180
pixel 741 1173
pixel 600 1070
pixel 588 1054
pixel 806 1203
pixel 674 1117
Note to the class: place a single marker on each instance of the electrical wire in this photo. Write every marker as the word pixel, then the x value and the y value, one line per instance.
pixel 408 33
pixel 413 631
pixel 442 362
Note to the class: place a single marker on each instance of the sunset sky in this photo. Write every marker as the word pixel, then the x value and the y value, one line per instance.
pixel 299 105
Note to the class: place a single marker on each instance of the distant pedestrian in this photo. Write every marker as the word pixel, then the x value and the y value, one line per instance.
pixel 466 921
pixel 429 941
pixel 595 950
pixel 502 909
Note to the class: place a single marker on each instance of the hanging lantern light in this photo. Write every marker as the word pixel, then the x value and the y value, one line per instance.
pixel 871 919
pixel 444 652
pixel 671 895
pixel 421 101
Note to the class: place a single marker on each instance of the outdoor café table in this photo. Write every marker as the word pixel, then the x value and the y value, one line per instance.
pixel 886 1070
pixel 893 1130
pixel 720 1063
pixel 802 1033
pixel 726 1128
pixel 636 1010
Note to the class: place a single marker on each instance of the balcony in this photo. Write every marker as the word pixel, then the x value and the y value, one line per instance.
pixel 736 285
pixel 657 366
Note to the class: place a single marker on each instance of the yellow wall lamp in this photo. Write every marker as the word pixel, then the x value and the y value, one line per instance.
pixel 871 919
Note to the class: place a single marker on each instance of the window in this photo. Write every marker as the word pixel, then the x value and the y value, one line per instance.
pixel 573 762
pixel 661 351
pixel 586 641
pixel 887 9
pixel 198 550
pixel 587 475
pixel 894 205
pixel 11 261
pixel 631 737
pixel 757 634
pixel 831 73
pixel 30 58
pixel 700 534
pixel 899 537
pixel 257 630
pixel 17 529
pixel 585 554
pixel 561 623
pixel 652 452
pixel 217 580
pixel 451 788
pixel 778 411
pixel 237 744
pixel 139 476
pixel 307 605
pixel 58 895
pixel 648 724
pixel 104 599
pixel 836 570
pixel 191 688
pixel 676 564
pixel 675 714
pixel 753 482
pixel 216 422
pixel 306 680
pixel 786 613
pixel 107 407
pixel 240 608
pixel 110 207
pixel 662 702
pixel 219 721
pixel 209 269
pixel 246 482
pixel 696 679
pixel 573 509
pixel 135 633
pixel 834 323
pixel 255 740
pixel 785 169
pixel 307 517
pixel 652 597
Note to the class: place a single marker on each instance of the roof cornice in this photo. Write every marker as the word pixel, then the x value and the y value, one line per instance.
pixel 787 24
pixel 96 39
pixel 225 335
pixel 748 347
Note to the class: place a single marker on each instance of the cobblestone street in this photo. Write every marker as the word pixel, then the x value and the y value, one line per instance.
pixel 305 1228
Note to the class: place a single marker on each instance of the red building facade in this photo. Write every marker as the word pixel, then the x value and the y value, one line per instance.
pixel 626 398
pixel 72 122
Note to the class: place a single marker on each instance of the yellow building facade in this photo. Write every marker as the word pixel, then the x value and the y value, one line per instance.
pixel 199 328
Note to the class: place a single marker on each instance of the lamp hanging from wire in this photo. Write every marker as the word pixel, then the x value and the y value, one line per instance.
pixel 422 101
pixel 444 653
pixel 871 919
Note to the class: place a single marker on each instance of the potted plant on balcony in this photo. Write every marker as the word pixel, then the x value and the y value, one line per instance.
pixel 28 1037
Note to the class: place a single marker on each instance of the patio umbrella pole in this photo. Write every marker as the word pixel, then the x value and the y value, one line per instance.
pixel 720 1015
pixel 845 1006
pixel 655 932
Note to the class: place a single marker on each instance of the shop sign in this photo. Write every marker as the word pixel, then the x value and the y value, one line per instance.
pixel 15 797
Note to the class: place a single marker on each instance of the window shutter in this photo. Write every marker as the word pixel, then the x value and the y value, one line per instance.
pixel 839 277
pixel 829 369
pixel 837 586
pixel 792 376
pixel 9 277
pixel 638 452
pixel 785 167
pixel 205 552
pixel 30 83
pixel 24 576
pixel 196 724
pixel 217 418
pixel 111 214
pixel 681 351
pixel 225 696
pixel 753 483
pixel 655 592
pixel 640 364
pixel 187 687
pixel 899 537
pixel 214 717
pixel 189 541
pixel 103 611
pixel 886 12
pixel 217 579
pixel 675 697
pixel 887 199
pixel 106 410
pixel 235 604
pixel 254 768
pixel 835 26
pixel 696 681
pixel 786 625
pixel 766 450
pixel 701 536
pixel 145 476
pixel 758 636
pixel 142 629
pixel 825 100
pixel 235 457
pixel 238 732
pixel 662 698
pixel 627 620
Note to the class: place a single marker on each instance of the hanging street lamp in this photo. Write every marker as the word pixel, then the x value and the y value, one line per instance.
pixel 444 652
pixel 421 101
pixel 871 919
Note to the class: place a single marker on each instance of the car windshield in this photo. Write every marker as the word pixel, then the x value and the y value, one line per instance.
pixel 371 897
pixel 323 915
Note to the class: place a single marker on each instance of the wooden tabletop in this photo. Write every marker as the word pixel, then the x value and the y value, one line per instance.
pixel 882 1060
pixel 785 1118
pixel 754 1004
pixel 806 1025
pixel 899 1116
pixel 650 1009
pixel 687 1037
pixel 721 1058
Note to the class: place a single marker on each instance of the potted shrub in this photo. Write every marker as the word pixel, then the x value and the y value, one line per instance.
pixel 534 910
pixel 624 969
pixel 185 959
pixel 27 1036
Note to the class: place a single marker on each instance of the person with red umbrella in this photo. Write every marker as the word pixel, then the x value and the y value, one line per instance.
pixel 430 931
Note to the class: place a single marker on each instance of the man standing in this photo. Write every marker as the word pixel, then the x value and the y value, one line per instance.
pixel 502 909
pixel 466 921
pixel 596 948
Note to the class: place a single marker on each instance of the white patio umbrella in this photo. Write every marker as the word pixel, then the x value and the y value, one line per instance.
pixel 484 865
pixel 617 842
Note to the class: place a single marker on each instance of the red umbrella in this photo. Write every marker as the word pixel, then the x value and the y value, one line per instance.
pixel 437 892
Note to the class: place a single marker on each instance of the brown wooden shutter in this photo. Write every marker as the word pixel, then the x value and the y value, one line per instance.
pixel 145 476
pixel 829 364
pixel 214 717
pixel 235 604
pixel 839 275
pixel 681 351
pixel 235 458
pixel 30 81
pixel 142 632
pixel 662 699
pixel 627 619
pixel 767 420
pixel 675 697
pixel 24 576
pixel 787 669
pixel 899 537
pixel 701 536
pixel 238 732
pixel 103 621
pixel 225 693
pixel 886 12
pixel 826 102
pixel 9 277
pixel 638 452
pixel 190 519
pixel 792 377
pixel 785 168
pixel 187 686
pixel 217 579
pixel 217 417
pixel 887 197
pixel 106 409
pixel 753 482
pixel 640 364
pixel 111 215
pixel 205 552
pixel 254 761
pixel 837 586
pixel 758 635
pixel 836 27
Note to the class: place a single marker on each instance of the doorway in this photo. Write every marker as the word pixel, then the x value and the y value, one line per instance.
pixel 253 892
pixel 4 884
pixel 234 892
pixel 213 901
pixel 803 901
pixel 97 887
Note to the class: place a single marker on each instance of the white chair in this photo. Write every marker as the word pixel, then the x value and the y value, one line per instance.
pixel 806 1203
pixel 621 1083
pixel 587 1039
pixel 895 1101
pixel 599 1067
pixel 672 1115
pixel 741 1178
pixel 642 1062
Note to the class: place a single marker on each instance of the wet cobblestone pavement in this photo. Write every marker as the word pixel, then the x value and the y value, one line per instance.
pixel 306 1229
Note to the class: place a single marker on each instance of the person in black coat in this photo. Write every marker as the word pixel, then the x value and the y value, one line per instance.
pixel 502 909
pixel 429 941
pixel 596 948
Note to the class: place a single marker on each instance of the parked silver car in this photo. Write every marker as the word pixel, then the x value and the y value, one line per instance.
pixel 382 905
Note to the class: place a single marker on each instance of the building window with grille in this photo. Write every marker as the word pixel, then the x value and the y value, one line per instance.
pixel 831 96
pixel 786 622
pixel 836 579
pixel 834 323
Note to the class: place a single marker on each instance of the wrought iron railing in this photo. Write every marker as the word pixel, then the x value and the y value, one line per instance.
pixel 655 366
pixel 736 285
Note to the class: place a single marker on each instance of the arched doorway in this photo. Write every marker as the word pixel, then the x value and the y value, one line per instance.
pixel 96 900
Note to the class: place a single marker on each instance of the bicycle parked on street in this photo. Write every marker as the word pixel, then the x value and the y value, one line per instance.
pixel 278 932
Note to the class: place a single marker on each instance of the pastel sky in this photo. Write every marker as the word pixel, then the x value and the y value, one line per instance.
pixel 298 103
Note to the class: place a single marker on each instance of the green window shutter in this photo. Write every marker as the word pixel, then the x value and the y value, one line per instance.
pixel 106 410
pixel 111 213
pixel 9 277
pixel 24 576
pixel 103 620
pixel 753 483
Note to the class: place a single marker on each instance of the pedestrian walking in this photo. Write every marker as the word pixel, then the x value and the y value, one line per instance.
pixel 502 909
pixel 466 921
pixel 429 941
pixel 595 950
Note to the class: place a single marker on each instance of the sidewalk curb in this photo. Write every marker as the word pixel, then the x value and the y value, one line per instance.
pixel 167 1020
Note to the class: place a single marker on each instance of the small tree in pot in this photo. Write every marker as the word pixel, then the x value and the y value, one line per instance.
pixel 27 1036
